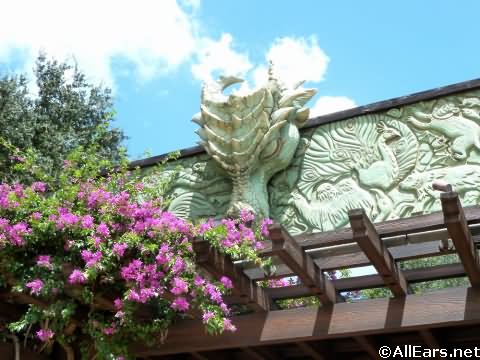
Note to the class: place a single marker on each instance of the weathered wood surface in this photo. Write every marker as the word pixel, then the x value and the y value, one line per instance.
pixel 311 276
pixel 448 307
pixel 366 236
pixel 457 226
pixel 373 281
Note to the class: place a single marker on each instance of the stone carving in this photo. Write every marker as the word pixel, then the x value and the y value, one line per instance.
pixel 452 121
pixel 326 211
pixel 251 137
pixel 384 162
pixel 464 178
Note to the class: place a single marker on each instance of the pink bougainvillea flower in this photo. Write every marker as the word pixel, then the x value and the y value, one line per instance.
pixel 45 334
pixel 35 286
pixel 246 215
pixel 227 325
pixel 179 286
pixel 207 315
pixel 226 282
pixel 180 304
pixel 44 261
pixel 264 226
pixel 91 259
pixel 39 186
pixel 77 277
pixel 119 249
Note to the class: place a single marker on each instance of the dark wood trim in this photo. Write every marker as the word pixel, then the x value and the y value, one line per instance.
pixel 342 115
pixel 373 281
pixel 444 308
pixel 367 345
pixel 309 350
pixel 218 265
pixel 302 265
pixel 367 238
pixel 460 233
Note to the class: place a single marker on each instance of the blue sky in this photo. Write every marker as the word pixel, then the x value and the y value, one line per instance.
pixel 155 54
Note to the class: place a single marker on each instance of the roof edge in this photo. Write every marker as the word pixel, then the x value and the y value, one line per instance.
pixel 342 115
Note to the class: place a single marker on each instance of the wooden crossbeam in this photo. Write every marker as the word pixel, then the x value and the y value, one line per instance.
pixel 418 223
pixel 219 265
pixel 437 272
pixel 368 346
pixel 253 354
pixel 452 308
pixel 366 236
pixel 457 226
pixel 429 339
pixel 302 265
pixel 309 350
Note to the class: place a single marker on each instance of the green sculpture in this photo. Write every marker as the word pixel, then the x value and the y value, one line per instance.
pixel 251 137
pixel 384 162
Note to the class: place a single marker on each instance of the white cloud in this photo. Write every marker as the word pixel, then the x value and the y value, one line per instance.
pixel 219 58
pixel 330 104
pixel 156 36
pixel 297 59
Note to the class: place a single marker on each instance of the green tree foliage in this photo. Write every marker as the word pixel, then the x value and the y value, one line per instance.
pixel 66 112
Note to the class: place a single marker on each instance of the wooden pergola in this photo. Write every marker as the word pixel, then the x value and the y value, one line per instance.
pixel 447 318
pixel 441 319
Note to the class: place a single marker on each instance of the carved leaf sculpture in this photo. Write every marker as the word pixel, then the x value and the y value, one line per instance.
pixel 251 137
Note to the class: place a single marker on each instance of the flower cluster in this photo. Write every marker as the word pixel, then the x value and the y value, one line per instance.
pixel 95 239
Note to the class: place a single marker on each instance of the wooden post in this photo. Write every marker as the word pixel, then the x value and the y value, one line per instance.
pixel 302 265
pixel 457 226
pixel 366 236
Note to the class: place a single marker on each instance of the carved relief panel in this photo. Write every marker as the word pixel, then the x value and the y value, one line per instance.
pixel 384 163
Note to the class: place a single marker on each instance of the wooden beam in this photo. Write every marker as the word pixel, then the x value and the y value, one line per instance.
pixel 373 281
pixel 198 356
pixel 351 260
pixel 302 265
pixel 367 345
pixel 429 339
pixel 460 233
pixel 389 228
pixel 443 308
pixel 219 265
pixel 309 350
pixel 253 354
pixel 366 236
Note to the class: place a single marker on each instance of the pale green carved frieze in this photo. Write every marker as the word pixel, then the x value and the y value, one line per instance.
pixel 384 163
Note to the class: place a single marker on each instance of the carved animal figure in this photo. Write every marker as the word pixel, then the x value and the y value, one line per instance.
pixel 252 136
pixel 329 209
pixel 381 173
pixel 450 121
pixel 464 178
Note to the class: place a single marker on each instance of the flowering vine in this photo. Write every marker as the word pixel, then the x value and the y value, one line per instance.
pixel 100 260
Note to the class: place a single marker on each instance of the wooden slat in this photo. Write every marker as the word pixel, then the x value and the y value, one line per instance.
pixel 443 308
pixel 220 265
pixel 368 346
pixel 198 356
pixel 346 261
pixel 460 233
pixel 253 354
pixel 374 281
pixel 309 350
pixel 302 265
pixel 366 236
pixel 429 339
pixel 389 228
